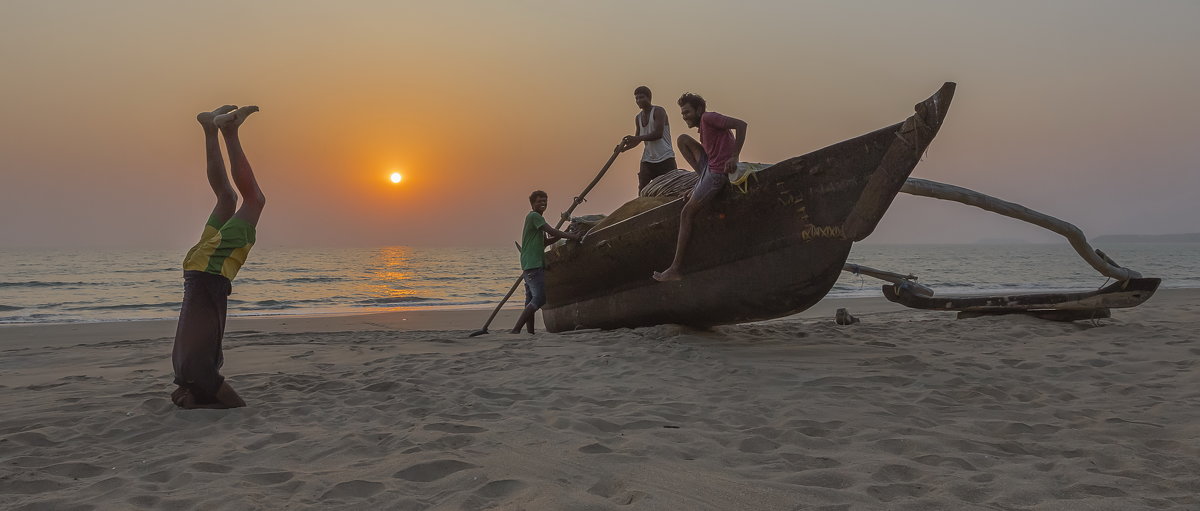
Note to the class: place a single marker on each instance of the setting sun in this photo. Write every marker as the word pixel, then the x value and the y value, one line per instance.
pixel 396 177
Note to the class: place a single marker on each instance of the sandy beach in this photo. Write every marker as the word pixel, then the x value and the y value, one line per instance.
pixel 906 410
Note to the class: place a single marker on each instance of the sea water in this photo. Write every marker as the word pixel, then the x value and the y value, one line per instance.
pixel 54 286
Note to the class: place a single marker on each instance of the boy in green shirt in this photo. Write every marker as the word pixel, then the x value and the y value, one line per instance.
pixel 533 250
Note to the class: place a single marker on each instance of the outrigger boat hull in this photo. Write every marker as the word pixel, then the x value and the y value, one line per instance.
pixel 772 251
pixel 1129 293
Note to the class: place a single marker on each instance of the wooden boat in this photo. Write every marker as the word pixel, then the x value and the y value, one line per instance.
pixel 772 251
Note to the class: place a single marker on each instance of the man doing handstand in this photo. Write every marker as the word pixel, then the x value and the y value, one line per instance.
pixel 212 263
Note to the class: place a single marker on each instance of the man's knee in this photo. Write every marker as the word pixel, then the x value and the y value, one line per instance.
pixel 227 198
pixel 685 140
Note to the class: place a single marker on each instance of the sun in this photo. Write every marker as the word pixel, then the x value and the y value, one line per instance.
pixel 396 177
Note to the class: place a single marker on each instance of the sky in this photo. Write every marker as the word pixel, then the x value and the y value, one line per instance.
pixel 1085 110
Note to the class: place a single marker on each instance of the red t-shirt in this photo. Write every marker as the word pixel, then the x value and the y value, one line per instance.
pixel 716 135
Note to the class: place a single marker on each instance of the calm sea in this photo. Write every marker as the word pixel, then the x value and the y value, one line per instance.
pixel 51 286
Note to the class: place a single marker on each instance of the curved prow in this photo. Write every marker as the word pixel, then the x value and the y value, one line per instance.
pixel 912 139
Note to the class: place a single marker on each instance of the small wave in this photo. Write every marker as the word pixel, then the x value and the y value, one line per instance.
pixel 392 299
pixel 128 306
pixel 41 283
pixel 293 280
pixel 6 308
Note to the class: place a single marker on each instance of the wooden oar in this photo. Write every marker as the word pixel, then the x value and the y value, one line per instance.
pixel 564 217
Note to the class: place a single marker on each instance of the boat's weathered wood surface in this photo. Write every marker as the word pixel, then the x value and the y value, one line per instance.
pixel 1129 293
pixel 1065 315
pixel 773 251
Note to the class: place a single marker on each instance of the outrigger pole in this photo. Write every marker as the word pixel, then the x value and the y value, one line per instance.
pixel 1095 258
pixel 1130 290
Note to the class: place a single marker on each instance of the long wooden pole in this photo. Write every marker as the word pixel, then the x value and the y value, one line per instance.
pixel 563 219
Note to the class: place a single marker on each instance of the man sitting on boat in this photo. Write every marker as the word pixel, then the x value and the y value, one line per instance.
pixel 654 133
pixel 714 157
pixel 533 253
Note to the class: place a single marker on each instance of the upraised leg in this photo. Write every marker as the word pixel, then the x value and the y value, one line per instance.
pixel 218 180
pixel 253 199
pixel 692 151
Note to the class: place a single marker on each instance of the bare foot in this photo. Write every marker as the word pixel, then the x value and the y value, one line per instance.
pixel 667 275
pixel 206 118
pixel 235 118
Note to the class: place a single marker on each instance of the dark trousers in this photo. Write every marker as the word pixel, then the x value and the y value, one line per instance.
pixel 197 356
pixel 650 171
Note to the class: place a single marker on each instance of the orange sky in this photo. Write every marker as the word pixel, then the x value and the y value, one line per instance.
pixel 1087 110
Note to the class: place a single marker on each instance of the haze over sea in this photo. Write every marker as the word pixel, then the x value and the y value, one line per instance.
pixel 60 285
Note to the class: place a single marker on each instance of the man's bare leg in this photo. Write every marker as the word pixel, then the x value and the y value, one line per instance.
pixel 685 233
pixel 692 151
pixel 243 176
pixel 526 319
pixel 218 180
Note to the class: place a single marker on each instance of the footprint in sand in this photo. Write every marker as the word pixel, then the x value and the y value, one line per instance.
pixel 450 442
pixel 353 489
pixel 501 488
pixel 823 479
pixel 446 427
pixel 594 449
pixel 29 487
pixel 145 501
pixel 74 470
pixel 211 468
pixel 757 445
pixel 274 438
pixel 32 439
pixel 269 478
pixel 896 473
pixel 161 476
pixel 383 386
pixel 432 471
pixel 890 492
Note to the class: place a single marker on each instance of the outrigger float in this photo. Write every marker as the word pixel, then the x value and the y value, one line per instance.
pixel 777 246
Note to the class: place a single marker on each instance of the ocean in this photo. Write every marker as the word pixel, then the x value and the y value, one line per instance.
pixel 65 286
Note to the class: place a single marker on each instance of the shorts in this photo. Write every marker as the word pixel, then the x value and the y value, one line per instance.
pixel 707 187
pixel 222 248
pixel 535 287
pixel 652 170
pixel 197 356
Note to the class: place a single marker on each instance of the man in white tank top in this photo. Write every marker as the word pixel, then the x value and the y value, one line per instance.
pixel 654 131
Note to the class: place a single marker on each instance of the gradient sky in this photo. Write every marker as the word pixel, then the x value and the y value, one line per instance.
pixel 1086 110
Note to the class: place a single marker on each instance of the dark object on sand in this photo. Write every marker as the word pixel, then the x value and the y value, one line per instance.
pixel 772 251
pixel 1066 306
pixel 843 317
